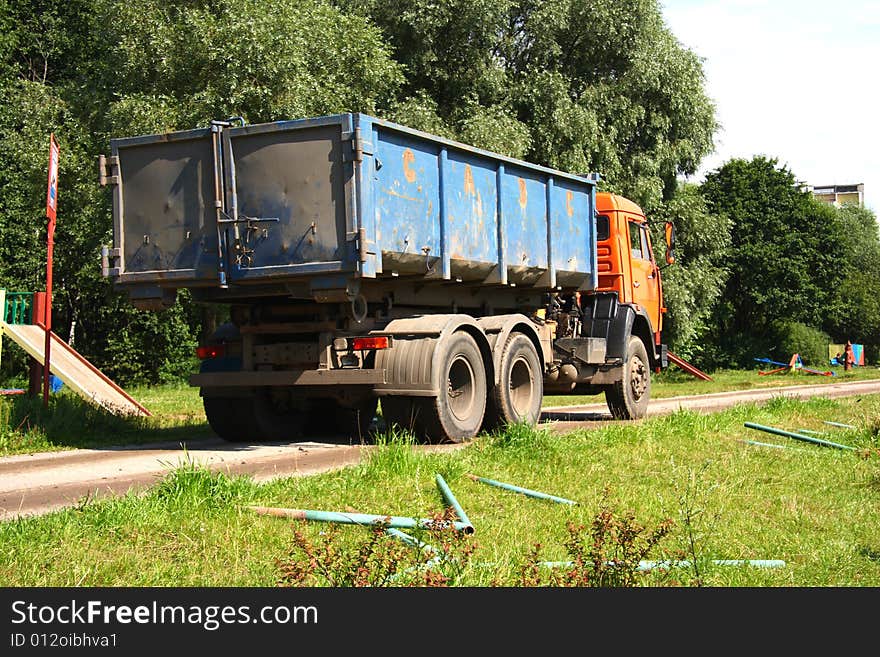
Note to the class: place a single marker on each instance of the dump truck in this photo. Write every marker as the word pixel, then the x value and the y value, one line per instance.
pixel 365 263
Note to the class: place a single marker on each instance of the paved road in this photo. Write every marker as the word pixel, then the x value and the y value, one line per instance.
pixel 35 484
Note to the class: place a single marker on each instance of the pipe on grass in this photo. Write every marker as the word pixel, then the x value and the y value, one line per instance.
pixel 797 436
pixel 364 519
pixel 519 489
pixel 645 566
pixel 839 424
pixel 450 499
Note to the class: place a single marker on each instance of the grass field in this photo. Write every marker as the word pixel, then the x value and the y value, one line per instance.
pixel 813 507
pixel 27 427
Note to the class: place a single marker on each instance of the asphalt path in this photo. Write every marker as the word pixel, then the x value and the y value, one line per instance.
pixel 39 483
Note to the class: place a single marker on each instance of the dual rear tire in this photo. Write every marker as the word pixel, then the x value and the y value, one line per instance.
pixel 468 401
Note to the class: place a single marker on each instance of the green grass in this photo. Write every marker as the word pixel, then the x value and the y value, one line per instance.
pixel 676 383
pixel 26 426
pixel 816 508
pixel 178 416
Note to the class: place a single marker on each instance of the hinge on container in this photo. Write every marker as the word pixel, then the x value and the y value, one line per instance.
pixel 363 252
pixel 108 176
pixel 359 147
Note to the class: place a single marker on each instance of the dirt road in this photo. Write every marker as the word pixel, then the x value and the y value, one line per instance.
pixel 36 484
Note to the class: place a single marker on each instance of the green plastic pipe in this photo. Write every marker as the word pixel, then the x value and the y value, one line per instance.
pixel 797 436
pixel 450 499
pixel 810 432
pixel 839 424
pixel 360 519
pixel 524 491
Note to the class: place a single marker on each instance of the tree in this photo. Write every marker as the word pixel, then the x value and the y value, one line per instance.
pixel 579 85
pixel 854 310
pixel 784 257
pixel 692 285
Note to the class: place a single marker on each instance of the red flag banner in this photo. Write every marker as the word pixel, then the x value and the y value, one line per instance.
pixel 52 193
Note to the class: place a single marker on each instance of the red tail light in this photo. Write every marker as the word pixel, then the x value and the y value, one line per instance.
pixel 211 351
pixel 362 344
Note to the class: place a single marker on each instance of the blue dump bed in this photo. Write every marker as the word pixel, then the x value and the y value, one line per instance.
pixel 326 200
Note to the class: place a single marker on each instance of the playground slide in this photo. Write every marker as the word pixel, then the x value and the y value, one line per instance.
pixel 687 367
pixel 78 373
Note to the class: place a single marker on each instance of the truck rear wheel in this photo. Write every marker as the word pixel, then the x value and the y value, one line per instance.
pixel 401 412
pixel 628 398
pixel 232 418
pixel 518 395
pixel 457 413
pixel 276 417
pixel 329 417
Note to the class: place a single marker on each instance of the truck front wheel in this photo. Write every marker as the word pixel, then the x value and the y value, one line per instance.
pixel 628 398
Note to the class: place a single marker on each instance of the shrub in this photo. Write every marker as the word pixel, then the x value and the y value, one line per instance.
pixel 796 338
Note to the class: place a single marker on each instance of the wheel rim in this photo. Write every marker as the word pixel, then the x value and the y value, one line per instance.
pixel 521 386
pixel 638 377
pixel 460 388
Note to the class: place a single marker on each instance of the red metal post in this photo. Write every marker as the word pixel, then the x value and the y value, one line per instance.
pixel 51 208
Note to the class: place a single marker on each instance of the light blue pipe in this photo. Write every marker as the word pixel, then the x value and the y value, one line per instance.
pixel 410 540
pixel 645 566
pixel 755 442
pixel 524 491
pixel 797 436
pixel 839 424
pixel 360 519
pixel 450 499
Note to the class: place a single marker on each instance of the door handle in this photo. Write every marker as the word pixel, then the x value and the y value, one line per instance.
pixel 636 283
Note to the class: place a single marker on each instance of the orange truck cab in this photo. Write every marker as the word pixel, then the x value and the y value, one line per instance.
pixel 626 261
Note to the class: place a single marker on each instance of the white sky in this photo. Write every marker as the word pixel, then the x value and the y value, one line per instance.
pixel 798 80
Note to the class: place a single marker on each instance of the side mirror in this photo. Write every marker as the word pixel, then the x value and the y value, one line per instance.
pixel 670 243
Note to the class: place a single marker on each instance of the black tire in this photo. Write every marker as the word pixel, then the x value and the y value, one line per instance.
pixel 232 418
pixel 518 395
pixel 275 418
pixel 327 417
pixel 628 398
pixel 401 413
pixel 457 413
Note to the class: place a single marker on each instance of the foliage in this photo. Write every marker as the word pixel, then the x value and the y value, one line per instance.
pixel 609 553
pixel 378 560
pixel 796 338
pixel 783 260
pixel 854 312
pixel 180 64
pixel 692 285
pixel 580 85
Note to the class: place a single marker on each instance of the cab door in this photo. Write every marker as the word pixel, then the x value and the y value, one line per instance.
pixel 645 274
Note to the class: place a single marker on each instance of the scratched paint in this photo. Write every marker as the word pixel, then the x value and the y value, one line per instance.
pixel 525 226
pixel 305 174
pixel 571 227
pixel 406 189
pixel 471 201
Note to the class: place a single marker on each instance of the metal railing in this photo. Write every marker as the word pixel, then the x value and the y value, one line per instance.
pixel 18 308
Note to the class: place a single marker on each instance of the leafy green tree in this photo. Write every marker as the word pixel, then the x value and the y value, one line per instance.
pixel 784 258
pixel 580 85
pixel 180 64
pixel 692 285
pixel 854 310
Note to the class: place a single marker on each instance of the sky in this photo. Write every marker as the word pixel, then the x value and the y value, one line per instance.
pixel 795 80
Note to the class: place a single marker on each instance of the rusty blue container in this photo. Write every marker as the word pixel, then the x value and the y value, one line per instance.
pixel 319 205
